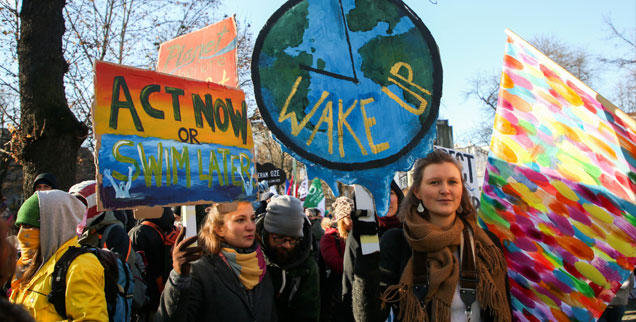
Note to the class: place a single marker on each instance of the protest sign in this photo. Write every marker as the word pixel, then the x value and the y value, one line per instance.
pixel 352 90
pixel 167 140
pixel 559 189
pixel 315 196
pixel 268 172
pixel 208 54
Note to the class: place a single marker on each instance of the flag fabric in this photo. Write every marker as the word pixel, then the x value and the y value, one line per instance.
pixel 290 187
pixel 559 189
pixel 302 189
pixel 315 196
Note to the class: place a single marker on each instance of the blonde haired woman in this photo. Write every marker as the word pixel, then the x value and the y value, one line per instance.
pixel 332 247
pixel 228 281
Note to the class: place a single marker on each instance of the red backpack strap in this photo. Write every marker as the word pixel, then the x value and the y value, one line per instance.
pixel 156 228
pixel 171 237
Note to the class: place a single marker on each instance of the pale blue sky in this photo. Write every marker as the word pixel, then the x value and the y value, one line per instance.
pixel 470 35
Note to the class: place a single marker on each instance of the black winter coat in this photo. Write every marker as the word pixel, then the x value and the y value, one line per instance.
pixel 146 239
pixel 216 294
pixel 296 282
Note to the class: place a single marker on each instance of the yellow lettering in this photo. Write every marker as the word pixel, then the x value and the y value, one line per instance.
pixel 327 116
pixel 395 69
pixel 245 165
pixel 292 115
pixel 342 120
pixel 203 176
pixel 180 160
pixel 368 123
pixel 233 171
pixel 224 153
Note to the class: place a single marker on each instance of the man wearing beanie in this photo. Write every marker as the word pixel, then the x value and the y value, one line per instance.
pixel 284 233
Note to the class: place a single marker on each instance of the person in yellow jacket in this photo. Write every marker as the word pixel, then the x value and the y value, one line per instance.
pixel 47 222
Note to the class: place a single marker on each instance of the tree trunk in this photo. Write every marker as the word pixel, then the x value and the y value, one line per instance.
pixel 50 135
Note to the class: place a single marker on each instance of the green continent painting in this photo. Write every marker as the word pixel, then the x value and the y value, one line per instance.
pixel 349 86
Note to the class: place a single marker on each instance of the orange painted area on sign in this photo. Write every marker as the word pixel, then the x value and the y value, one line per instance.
pixel 131 101
pixel 208 54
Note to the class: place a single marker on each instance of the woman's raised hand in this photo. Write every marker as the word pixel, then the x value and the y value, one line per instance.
pixel 183 254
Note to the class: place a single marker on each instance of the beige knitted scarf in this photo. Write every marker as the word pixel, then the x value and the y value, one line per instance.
pixel 438 245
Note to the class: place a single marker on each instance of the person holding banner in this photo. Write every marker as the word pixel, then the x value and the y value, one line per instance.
pixel 442 266
pixel 225 278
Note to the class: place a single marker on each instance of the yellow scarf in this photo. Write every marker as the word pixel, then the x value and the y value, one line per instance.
pixel 250 267
pixel 29 243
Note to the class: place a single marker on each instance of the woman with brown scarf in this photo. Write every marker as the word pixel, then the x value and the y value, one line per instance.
pixel 442 266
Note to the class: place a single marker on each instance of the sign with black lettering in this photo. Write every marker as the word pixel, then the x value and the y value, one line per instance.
pixel 352 89
pixel 166 140
pixel 268 172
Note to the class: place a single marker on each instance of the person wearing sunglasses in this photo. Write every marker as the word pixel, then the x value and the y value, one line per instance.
pixel 284 233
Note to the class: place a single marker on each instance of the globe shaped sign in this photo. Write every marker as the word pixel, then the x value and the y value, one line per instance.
pixel 351 87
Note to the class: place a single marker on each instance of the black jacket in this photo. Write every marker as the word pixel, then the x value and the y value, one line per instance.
pixel 216 294
pixel 299 299
pixel 146 239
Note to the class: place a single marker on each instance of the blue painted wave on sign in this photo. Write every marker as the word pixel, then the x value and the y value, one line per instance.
pixel 137 171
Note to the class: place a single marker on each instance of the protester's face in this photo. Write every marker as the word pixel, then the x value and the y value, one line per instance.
pixel 441 192
pixel 283 246
pixel 393 204
pixel 238 229
pixel 42 187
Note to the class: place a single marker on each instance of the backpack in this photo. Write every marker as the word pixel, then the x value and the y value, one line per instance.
pixel 118 285
pixel 135 263
pixel 168 240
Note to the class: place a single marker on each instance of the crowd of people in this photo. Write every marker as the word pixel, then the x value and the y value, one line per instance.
pixel 275 261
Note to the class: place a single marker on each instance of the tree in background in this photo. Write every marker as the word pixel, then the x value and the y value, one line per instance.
pixel 625 94
pixel 485 87
pixel 49 134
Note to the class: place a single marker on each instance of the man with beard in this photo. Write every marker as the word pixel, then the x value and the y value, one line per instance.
pixel 284 233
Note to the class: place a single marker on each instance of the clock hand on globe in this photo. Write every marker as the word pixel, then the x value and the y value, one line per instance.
pixel 330 74
pixel 335 75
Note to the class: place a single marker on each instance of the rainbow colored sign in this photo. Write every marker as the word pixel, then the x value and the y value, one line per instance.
pixel 166 140
pixel 559 189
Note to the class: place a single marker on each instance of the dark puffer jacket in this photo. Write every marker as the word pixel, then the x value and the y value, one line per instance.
pixel 299 299
pixel 215 294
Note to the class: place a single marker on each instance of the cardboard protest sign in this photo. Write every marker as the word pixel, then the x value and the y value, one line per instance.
pixel 208 54
pixel 559 189
pixel 166 140
pixel 271 174
pixel 353 90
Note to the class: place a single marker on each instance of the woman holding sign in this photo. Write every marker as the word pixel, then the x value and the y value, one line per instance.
pixel 228 282
pixel 442 266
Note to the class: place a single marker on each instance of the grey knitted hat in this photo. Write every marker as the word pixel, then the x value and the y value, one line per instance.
pixel 285 216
